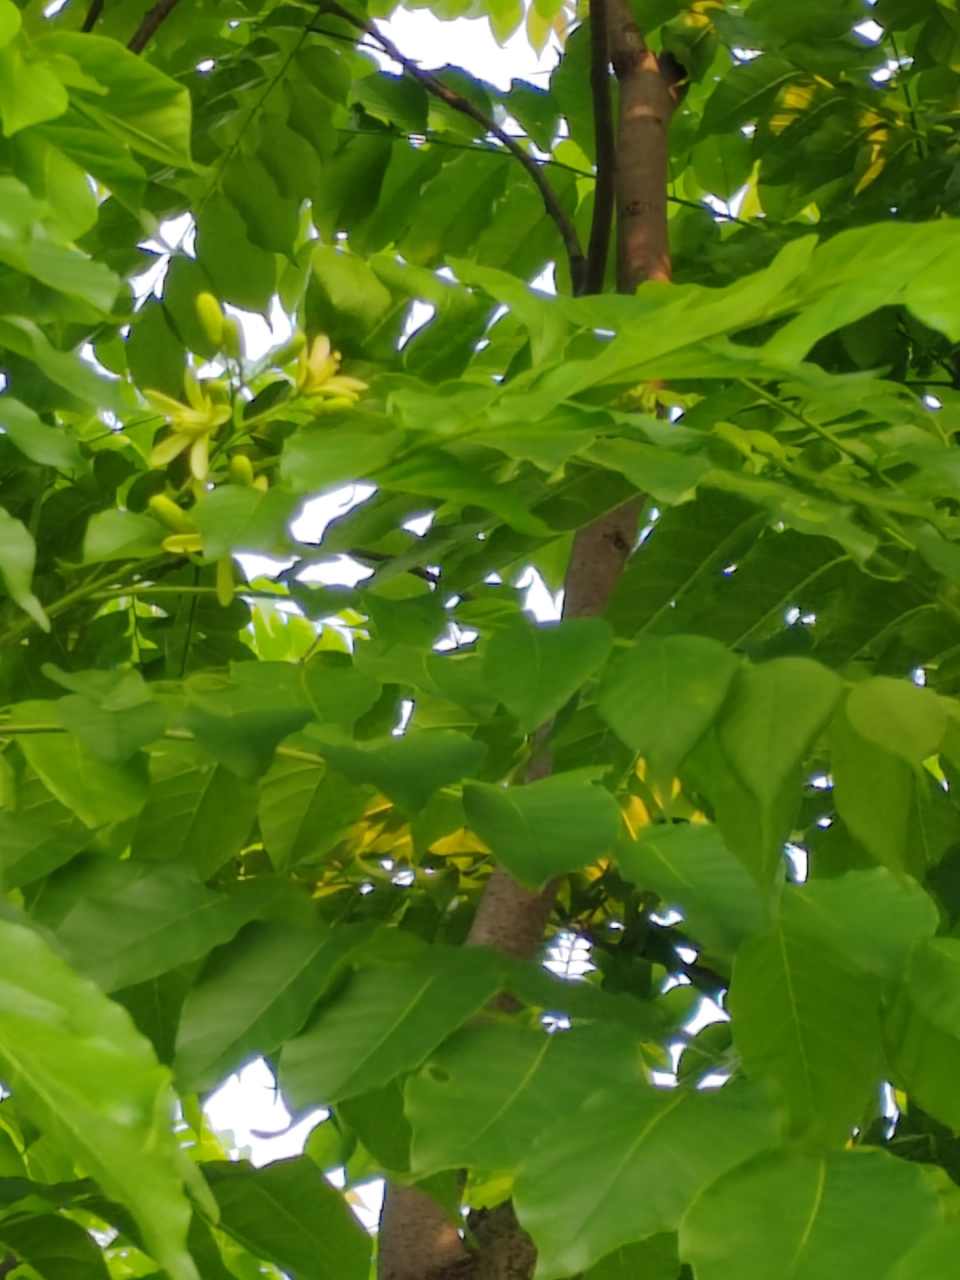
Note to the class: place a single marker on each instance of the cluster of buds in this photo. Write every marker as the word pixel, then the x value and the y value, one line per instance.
pixel 319 379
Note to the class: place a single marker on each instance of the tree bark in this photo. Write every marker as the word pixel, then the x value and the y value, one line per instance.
pixel 417 1240
pixel 648 99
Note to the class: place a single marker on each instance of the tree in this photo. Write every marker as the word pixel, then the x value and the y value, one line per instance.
pixel 337 827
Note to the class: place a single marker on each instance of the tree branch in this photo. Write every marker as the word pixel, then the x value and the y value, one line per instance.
pixel 93 16
pixel 458 102
pixel 151 22
pixel 648 97
pixel 598 249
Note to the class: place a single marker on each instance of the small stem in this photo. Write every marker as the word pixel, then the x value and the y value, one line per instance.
pixel 150 24
pixel 93 16
pixel 462 104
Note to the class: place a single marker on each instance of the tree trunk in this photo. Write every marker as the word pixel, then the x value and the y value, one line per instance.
pixel 417 1240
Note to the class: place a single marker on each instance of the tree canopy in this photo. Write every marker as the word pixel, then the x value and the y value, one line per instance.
pixel 336 827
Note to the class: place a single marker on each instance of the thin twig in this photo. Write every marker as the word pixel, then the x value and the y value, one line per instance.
pixel 150 24
pixel 598 249
pixel 93 16
pixel 462 104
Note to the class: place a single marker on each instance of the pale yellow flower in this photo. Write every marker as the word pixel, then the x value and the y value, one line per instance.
pixel 193 424
pixel 317 373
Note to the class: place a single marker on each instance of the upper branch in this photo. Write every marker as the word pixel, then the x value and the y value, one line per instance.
pixel 458 102
pixel 151 21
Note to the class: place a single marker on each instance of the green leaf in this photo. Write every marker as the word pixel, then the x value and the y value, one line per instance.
pixel 872 917
pixel 289 1215
pixel 386 1021
pixel 317 461
pixel 54 1247
pixel 121 535
pixel 84 1075
pixel 690 867
pixel 159 918
pixel 661 696
pixel 899 717
pixel 29 93
pixel 409 769
pixel 546 828
pixel 775 713
pixel 245 741
pixel 114 735
pixel 804 1017
pixel 873 790
pixel 932 1258
pixel 640 1156
pixel 933 973
pixel 534 671
pixel 490 1090
pixel 809 1217
pixel 254 994
pixel 17 557
pixel 305 811
pixel 97 792
pixel 925 1059
pixel 339 691
pixel 32 850
pixel 665 475
pixel 50 446
pixel 653 1259
pixel 131 99
pixel 198 814
pixel 235 518
pixel 10 22
pixel 241 272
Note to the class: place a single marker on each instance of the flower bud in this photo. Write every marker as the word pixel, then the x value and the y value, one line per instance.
pixel 211 318
pixel 225 581
pixel 241 470
pixel 232 339
pixel 168 513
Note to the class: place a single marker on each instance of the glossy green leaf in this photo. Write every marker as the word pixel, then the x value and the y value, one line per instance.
pixel 775 712
pixel 408 770
pixel 932 1258
pixel 200 814
pixel 288 1215
pixel 805 1018
pixel 83 1074
pixel 872 917
pixel 161 917
pixel 653 1259
pixel 690 867
pixel 17 558
pixel 111 735
pixel 254 994
pixel 121 535
pixel 97 792
pixel 50 446
pixel 490 1090
pixel 55 1247
pixel 662 695
pixel 627 1164
pixel 29 92
pixel 809 1217
pixel 535 671
pixel 899 717
pixel 306 810
pixel 546 828
pixel 31 850
pixel 386 1021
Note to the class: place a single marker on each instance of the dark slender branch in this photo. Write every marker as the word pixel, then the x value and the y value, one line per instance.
pixel 151 22
pixel 462 104
pixel 93 15
pixel 598 249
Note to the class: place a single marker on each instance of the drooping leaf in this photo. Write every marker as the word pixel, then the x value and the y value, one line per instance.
pixel 534 671
pixel 546 828
pixel 287 1214
pixel 808 1217
pixel 637 1167
pixel 662 695
pixel 386 1021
